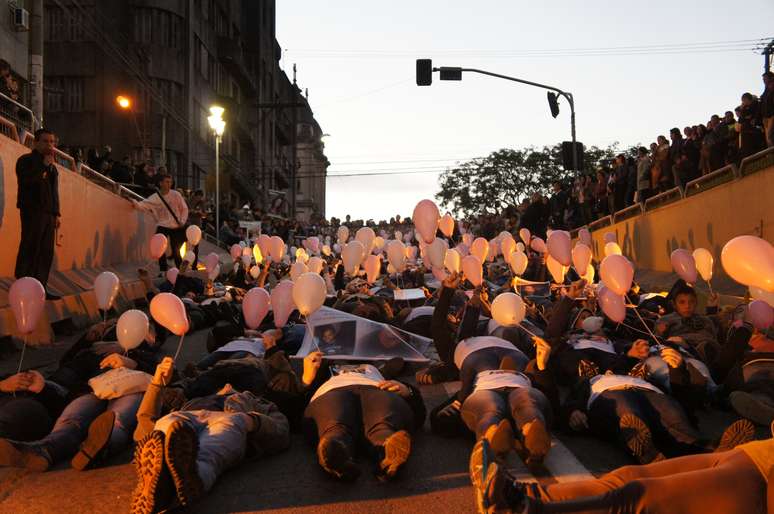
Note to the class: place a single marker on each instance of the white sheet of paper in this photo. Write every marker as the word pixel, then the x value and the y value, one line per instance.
pixel 409 294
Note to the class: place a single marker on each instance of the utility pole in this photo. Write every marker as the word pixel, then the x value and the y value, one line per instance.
pixel 36 61
pixel 767 52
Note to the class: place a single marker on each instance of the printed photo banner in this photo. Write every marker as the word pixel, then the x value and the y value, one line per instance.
pixel 342 336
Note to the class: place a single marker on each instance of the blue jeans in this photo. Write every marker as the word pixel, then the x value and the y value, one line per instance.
pixel 487 407
pixel 72 425
pixel 215 357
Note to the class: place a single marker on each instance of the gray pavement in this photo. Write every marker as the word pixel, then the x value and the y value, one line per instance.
pixel 434 480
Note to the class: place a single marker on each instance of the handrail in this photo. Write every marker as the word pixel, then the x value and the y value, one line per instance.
pixel 710 180
pixel 35 122
pixel 764 156
pixel 13 133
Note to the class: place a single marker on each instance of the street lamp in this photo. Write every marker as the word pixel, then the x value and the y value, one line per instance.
pixel 125 104
pixel 218 125
pixel 425 71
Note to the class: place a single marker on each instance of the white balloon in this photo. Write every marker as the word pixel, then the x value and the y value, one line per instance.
pixel 518 262
pixel 436 251
pixel 704 263
pixel 193 235
pixel 297 269
pixel 131 329
pixel 508 309
pixel 309 293
pixel 106 289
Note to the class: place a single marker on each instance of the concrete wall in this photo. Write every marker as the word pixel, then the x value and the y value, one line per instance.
pixel 706 220
pixel 13 43
pixel 99 229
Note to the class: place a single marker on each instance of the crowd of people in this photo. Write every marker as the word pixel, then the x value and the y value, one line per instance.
pixel 565 363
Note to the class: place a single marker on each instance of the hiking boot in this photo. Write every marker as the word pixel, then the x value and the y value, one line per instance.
pixel 587 369
pixel 755 407
pixel 96 441
pixel 397 448
pixel 739 432
pixel 537 441
pixel 154 489
pixel 638 439
pixel 335 457
pixel 181 449
pixel 500 438
pixel 23 455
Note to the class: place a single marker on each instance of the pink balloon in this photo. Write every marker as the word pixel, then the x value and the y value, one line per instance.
pixel 480 248
pixel 309 293
pixel 211 261
pixel 169 312
pixel 372 265
pixel 538 245
pixel 472 269
pixel 236 251
pixel 612 304
pixel 581 257
pixel 560 247
pixel 27 298
pixel 172 275
pixel 761 314
pixel 255 306
pixel 158 245
pixel 440 274
pixel 684 265
pixel 264 242
pixel 585 237
pixel 446 225
pixel 277 248
pixel 463 250
pixel 617 273
pixel 556 269
pixel 426 218
pixel 507 247
pixel 282 302
pixel 525 235
pixel 750 261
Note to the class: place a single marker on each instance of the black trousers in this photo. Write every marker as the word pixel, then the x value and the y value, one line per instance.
pixel 358 412
pixel 176 240
pixel 36 248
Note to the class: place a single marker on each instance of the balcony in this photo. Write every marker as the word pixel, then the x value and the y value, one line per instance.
pixel 231 55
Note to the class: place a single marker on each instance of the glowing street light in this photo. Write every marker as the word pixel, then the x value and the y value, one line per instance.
pixel 123 102
pixel 218 125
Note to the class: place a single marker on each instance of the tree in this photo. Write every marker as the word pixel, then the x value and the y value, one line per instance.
pixel 507 177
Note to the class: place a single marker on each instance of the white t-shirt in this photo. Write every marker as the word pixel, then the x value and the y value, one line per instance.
pixel 497 378
pixel 155 206
pixel 363 374
pixel 472 344
pixel 253 345
pixel 602 383
pixel 592 342
pixel 416 312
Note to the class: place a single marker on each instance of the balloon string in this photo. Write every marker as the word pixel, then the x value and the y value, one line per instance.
pixel 642 320
pixel 179 347
pixel 529 331
pixel 709 284
pixel 21 359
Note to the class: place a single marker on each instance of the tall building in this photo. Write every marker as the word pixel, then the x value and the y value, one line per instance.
pixel 174 59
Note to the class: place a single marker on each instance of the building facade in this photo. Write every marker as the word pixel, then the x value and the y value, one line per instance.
pixel 174 59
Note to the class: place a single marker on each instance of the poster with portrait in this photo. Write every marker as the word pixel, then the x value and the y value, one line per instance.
pixel 342 336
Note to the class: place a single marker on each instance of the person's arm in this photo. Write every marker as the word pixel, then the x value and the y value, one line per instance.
pixel 150 407
pixel 182 209
pixel 28 172
pixel 576 402
pixel 272 432
pixel 731 353
pixel 442 335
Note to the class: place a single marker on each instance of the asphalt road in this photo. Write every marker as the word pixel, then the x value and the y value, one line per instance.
pixel 434 480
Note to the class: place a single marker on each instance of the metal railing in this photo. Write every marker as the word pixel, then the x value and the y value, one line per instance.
pixel 8 129
pixel 757 162
pixel 10 109
pixel 717 177
pixel 661 199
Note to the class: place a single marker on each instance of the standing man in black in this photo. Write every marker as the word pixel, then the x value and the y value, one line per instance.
pixel 38 203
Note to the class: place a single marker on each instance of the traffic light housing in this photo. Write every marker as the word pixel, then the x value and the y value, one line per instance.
pixel 424 72
pixel 553 104
pixel 567 149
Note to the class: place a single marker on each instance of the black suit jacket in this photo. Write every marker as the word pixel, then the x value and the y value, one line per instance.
pixel 38 184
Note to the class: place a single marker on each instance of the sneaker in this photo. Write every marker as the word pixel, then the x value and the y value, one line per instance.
pixel 437 373
pixel 181 450
pixel 335 458
pixel 500 438
pixel 752 406
pixel 154 489
pixel 639 370
pixel 96 441
pixel 739 432
pixel 638 439
pixel 23 455
pixel 537 441
pixel 397 449
pixel 483 471
pixel 587 369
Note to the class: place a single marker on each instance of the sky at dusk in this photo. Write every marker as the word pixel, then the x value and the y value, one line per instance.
pixel 636 69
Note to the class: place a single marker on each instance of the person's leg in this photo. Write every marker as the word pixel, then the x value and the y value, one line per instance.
pixel 674 421
pixel 531 413
pixel 163 265
pixel 728 483
pixel 387 422
pixel 71 426
pixel 483 409
pixel 125 409
pixel 177 238
pixel 23 419
pixel 620 414
pixel 45 249
pixel 336 416
pixel 31 233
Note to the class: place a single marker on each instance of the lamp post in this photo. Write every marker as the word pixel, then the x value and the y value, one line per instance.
pixel 217 124
pixel 125 104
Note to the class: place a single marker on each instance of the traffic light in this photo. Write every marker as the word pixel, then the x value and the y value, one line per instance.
pixel 567 155
pixel 553 104
pixel 424 72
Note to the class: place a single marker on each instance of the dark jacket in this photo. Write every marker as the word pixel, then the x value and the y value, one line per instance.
pixel 38 184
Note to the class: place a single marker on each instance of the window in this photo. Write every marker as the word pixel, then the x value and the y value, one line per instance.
pixel 67 25
pixel 158 27
pixel 54 23
pixel 143 25
pixel 64 94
